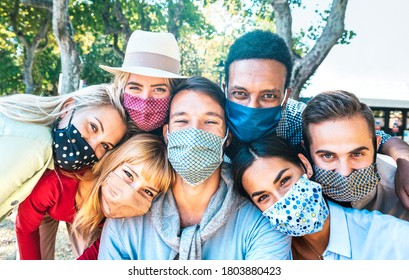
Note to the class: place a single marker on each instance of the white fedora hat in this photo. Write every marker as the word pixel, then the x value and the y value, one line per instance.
pixel 150 54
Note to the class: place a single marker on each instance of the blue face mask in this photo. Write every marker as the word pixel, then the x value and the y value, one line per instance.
pixel 248 124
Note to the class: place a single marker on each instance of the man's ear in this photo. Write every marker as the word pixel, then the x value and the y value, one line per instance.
pixel 378 142
pixel 287 95
pixel 228 139
pixel 165 133
pixel 306 164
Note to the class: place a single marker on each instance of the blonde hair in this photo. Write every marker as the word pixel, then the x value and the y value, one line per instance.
pixel 45 110
pixel 121 78
pixel 143 148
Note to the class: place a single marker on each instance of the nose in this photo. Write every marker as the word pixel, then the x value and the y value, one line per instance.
pixel 253 103
pixel 145 93
pixel 344 168
pixel 94 142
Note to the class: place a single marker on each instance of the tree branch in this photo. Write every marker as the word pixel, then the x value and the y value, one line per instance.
pixel 44 4
pixel 283 22
pixel 305 67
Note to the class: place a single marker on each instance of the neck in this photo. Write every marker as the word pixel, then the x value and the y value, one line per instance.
pixel 192 201
pixel 311 246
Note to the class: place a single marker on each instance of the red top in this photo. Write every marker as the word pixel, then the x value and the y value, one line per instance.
pixel 54 195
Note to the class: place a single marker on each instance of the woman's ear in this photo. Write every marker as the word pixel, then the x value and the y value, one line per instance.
pixel 165 133
pixel 307 165
pixel 67 103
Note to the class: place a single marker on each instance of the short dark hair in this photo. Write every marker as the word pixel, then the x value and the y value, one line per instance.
pixel 204 85
pixel 260 44
pixel 334 105
pixel 267 146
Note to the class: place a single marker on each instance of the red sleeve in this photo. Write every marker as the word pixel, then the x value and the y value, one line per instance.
pixel 31 212
pixel 91 253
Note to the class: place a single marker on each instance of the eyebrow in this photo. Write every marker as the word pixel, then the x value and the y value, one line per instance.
pixel 214 114
pixel 272 90
pixel 278 177
pixel 362 148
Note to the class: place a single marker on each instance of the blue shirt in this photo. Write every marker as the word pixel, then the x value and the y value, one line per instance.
pixel 364 235
pixel 231 228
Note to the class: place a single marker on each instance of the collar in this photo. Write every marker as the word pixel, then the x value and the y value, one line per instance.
pixel 339 242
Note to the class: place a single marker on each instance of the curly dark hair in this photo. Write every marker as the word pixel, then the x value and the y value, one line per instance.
pixel 260 44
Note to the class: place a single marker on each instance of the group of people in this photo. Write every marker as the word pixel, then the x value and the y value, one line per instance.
pixel 161 166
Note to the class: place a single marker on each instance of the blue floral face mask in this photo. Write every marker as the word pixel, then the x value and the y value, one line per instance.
pixel 195 154
pixel 248 124
pixel 302 210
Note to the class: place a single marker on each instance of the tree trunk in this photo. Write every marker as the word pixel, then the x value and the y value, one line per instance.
pixel 174 21
pixel 305 67
pixel 30 46
pixel 70 58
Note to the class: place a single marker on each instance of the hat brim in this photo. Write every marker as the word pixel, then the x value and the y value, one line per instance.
pixel 145 71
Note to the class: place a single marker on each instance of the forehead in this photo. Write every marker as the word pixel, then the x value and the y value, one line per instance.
pixel 335 135
pixel 261 72
pixel 263 171
pixel 141 79
pixel 190 102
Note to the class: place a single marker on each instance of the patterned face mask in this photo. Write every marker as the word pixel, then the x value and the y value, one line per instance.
pixel 148 114
pixel 71 150
pixel 195 154
pixel 347 189
pixel 302 210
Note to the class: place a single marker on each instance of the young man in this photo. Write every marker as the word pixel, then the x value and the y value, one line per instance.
pixel 202 216
pixel 258 71
pixel 339 135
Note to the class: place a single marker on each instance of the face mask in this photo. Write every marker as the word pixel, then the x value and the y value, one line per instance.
pixel 71 150
pixel 248 124
pixel 195 154
pixel 352 188
pixel 302 210
pixel 148 114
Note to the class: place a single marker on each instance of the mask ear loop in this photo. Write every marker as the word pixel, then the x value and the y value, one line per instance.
pixel 72 114
pixel 285 94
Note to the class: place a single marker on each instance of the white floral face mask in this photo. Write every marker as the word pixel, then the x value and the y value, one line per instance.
pixel 302 210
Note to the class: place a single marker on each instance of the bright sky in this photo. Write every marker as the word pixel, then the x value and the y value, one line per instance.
pixel 376 63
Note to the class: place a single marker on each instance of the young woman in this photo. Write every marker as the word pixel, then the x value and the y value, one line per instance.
pixel 277 179
pixel 71 131
pixel 149 73
pixel 140 163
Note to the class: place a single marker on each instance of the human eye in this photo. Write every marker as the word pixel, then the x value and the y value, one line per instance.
pixel 327 156
pixel 148 192
pixel 161 90
pixel 180 121
pixel 211 121
pixel 284 181
pixel 239 94
pixel 94 127
pixel 262 198
pixel 357 154
pixel 128 174
pixel 269 96
pixel 106 146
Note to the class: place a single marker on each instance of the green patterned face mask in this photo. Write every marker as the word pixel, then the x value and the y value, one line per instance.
pixel 347 189
pixel 195 154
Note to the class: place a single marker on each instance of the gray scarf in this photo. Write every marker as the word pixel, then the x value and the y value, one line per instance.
pixel 188 243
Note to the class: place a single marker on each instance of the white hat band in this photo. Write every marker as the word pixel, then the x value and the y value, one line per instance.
pixel 151 60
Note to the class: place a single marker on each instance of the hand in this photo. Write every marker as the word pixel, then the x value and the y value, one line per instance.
pixel 402 181
pixel 120 200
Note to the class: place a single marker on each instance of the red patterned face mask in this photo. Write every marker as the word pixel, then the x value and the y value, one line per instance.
pixel 148 114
